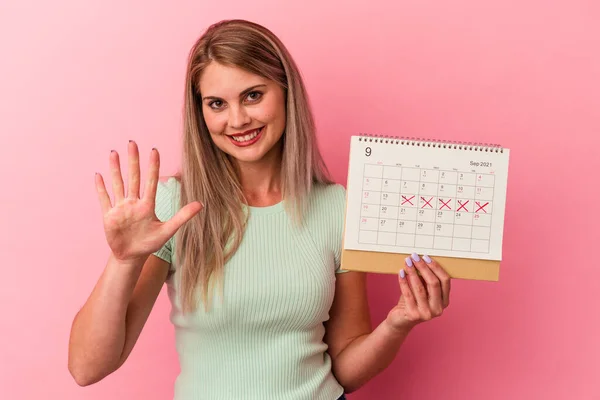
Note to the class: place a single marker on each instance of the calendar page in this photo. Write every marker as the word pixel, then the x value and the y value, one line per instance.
pixel 405 198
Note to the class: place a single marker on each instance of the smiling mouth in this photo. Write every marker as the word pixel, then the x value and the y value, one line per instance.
pixel 248 138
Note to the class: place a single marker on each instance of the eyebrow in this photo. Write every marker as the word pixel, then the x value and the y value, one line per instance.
pixel 246 91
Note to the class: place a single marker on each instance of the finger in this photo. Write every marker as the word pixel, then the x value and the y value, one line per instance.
pixel 186 213
pixel 442 276
pixel 409 298
pixel 133 190
pixel 418 289
pixel 153 176
pixel 434 286
pixel 117 179
pixel 103 196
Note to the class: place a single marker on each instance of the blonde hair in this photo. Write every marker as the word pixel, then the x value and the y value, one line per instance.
pixel 206 243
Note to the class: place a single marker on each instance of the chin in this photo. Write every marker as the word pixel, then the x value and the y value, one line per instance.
pixel 247 158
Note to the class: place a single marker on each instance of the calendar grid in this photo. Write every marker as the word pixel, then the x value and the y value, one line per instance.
pixel 430 214
pixel 379 213
pixel 472 222
pixel 453 218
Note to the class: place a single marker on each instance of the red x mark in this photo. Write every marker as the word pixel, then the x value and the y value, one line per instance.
pixel 407 200
pixel 463 206
pixel 481 206
pixel 427 202
pixel 445 204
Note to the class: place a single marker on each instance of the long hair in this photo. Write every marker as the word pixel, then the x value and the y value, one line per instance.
pixel 207 241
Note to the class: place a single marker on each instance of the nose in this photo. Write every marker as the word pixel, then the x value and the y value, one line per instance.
pixel 238 117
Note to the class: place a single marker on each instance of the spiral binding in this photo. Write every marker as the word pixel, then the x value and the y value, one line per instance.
pixel 413 141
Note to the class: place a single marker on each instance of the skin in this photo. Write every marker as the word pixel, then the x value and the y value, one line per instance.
pixel 235 101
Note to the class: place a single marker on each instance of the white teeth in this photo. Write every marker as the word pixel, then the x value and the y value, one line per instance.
pixel 247 137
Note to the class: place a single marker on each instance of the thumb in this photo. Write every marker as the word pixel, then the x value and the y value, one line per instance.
pixel 186 213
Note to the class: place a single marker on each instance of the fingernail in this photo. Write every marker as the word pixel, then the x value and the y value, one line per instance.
pixel 426 258
pixel 154 148
pixel 408 261
pixel 402 274
pixel 415 257
pixel 112 151
pixel 130 140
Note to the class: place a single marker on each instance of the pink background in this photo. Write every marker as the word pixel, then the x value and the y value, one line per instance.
pixel 80 78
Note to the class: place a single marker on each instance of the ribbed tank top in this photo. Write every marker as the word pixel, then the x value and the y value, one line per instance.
pixel 264 338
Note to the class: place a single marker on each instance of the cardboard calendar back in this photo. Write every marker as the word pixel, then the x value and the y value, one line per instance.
pixel 440 199
pixel 392 263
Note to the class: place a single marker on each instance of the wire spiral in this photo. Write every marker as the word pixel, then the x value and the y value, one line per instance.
pixel 442 144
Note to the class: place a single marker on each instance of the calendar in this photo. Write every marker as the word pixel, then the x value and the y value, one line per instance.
pixel 409 195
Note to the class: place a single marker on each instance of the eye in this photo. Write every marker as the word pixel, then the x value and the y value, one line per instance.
pixel 215 104
pixel 254 96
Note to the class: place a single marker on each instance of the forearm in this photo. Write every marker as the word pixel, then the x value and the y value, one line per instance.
pixel 368 355
pixel 99 329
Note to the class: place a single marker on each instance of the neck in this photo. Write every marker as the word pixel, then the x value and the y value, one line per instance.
pixel 261 180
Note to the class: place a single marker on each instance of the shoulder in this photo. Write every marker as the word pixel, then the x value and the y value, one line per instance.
pixel 326 216
pixel 168 182
pixel 329 195
pixel 168 190
pixel 327 203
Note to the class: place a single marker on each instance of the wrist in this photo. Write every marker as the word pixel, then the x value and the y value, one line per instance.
pixel 397 330
pixel 133 264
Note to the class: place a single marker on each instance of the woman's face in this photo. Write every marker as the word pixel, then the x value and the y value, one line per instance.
pixel 244 113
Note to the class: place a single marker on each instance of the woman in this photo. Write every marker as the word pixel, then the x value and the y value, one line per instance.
pixel 248 239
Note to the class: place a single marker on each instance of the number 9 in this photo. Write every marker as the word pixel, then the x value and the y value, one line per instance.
pixel 368 151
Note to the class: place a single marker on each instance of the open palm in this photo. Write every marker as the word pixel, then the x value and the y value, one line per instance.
pixel 131 227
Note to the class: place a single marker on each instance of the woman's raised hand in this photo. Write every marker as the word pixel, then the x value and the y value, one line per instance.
pixel 131 227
